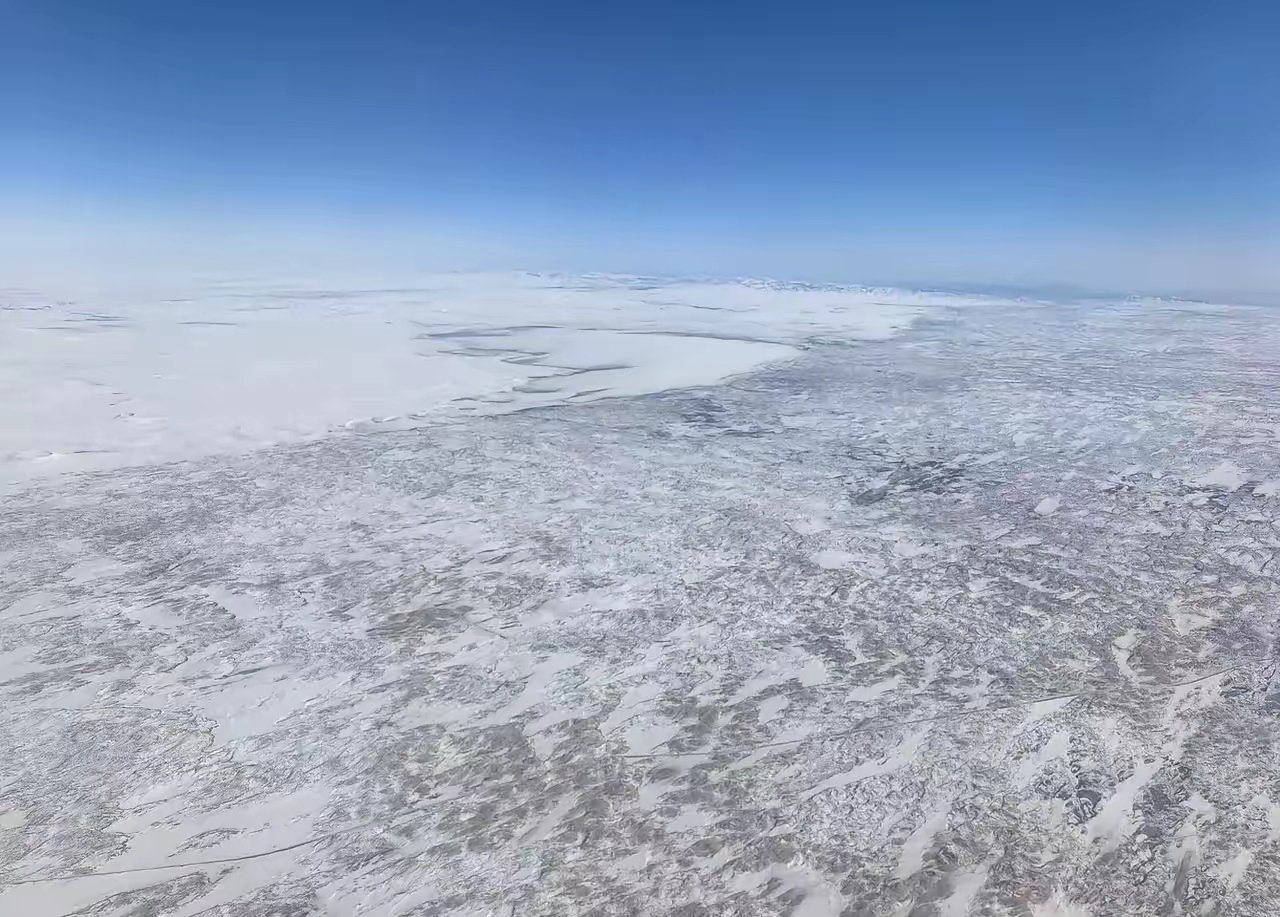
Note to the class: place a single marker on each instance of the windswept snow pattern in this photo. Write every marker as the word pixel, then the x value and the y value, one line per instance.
pixel 974 618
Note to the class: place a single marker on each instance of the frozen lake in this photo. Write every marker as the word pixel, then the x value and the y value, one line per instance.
pixel 131 374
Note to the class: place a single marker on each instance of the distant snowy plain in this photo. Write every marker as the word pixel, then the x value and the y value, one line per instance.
pixel 133 373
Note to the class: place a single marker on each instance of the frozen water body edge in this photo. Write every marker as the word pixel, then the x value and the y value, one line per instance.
pixel 129 375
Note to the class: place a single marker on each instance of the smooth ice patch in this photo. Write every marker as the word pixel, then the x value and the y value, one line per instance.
pixel 114 373
pixel 772 707
pixel 1048 506
pixel 834 560
pixel 919 841
pixel 1267 488
pixel 1226 475
pixel 1114 821
pixel 965 885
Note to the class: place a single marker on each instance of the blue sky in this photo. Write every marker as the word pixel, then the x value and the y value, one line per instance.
pixel 848 141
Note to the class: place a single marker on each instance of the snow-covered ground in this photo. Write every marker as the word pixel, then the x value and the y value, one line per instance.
pixel 938 608
pixel 131 373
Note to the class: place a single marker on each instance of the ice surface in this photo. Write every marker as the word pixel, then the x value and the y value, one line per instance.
pixel 128 374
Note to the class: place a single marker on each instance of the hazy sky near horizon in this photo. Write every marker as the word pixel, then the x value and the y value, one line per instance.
pixel 1120 144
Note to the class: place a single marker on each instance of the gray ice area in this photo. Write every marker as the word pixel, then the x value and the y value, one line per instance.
pixel 977 620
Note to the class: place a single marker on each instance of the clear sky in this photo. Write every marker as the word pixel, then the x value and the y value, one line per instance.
pixel 1103 143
